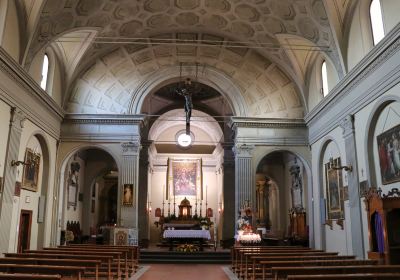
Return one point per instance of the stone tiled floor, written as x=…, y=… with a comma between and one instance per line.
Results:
x=184, y=272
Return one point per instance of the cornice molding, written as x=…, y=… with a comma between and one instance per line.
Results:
x=105, y=119
x=22, y=78
x=374, y=59
x=236, y=122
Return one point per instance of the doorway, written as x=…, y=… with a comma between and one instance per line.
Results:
x=24, y=235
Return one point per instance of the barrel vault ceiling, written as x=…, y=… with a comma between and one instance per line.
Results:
x=109, y=47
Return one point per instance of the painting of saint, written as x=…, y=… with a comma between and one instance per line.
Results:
x=127, y=199
x=184, y=178
x=334, y=187
x=389, y=155
x=31, y=171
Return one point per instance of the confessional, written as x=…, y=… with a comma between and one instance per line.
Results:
x=383, y=212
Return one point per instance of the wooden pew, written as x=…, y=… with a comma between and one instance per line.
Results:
x=262, y=263
x=134, y=251
x=358, y=276
x=244, y=261
x=283, y=272
x=73, y=271
x=237, y=249
x=115, y=256
x=22, y=276
x=88, y=264
x=124, y=254
x=267, y=265
x=244, y=252
x=106, y=259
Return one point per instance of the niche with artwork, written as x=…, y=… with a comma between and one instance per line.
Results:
x=384, y=225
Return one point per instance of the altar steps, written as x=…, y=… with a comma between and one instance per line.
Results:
x=185, y=258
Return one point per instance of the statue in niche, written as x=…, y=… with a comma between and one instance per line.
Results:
x=297, y=185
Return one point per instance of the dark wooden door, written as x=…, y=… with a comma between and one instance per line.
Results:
x=24, y=235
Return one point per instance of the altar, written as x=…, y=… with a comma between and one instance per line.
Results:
x=186, y=236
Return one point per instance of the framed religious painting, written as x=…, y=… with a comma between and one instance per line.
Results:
x=127, y=197
x=184, y=177
x=334, y=189
x=31, y=170
x=389, y=155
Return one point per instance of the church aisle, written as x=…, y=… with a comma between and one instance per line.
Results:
x=184, y=272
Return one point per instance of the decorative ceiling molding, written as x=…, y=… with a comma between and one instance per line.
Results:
x=267, y=123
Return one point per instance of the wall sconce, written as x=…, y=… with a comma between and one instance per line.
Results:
x=335, y=167
x=18, y=162
x=149, y=207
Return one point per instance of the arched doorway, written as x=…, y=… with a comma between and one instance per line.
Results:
x=87, y=176
x=281, y=196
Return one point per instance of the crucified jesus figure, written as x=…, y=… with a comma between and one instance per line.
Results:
x=188, y=102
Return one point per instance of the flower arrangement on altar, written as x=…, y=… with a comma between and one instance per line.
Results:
x=243, y=224
x=187, y=248
x=205, y=223
x=69, y=236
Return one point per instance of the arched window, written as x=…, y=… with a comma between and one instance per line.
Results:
x=376, y=21
x=45, y=72
x=324, y=74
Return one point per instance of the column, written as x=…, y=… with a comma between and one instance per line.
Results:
x=228, y=187
x=143, y=223
x=7, y=198
x=129, y=175
x=354, y=198
x=244, y=177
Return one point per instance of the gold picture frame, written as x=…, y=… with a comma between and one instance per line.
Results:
x=127, y=195
x=31, y=170
x=334, y=191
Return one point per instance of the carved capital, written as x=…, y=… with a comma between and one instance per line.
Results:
x=243, y=150
x=347, y=125
x=130, y=148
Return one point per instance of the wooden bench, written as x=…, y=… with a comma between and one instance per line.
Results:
x=130, y=254
x=358, y=276
x=134, y=251
x=244, y=261
x=283, y=272
x=22, y=276
x=267, y=265
x=120, y=253
x=88, y=264
x=73, y=271
x=240, y=254
x=105, y=259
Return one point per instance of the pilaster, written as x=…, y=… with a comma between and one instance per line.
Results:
x=129, y=175
x=244, y=176
x=228, y=214
x=10, y=174
x=347, y=124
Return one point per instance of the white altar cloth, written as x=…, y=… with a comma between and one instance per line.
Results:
x=204, y=234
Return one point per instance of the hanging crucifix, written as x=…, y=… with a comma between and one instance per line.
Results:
x=185, y=92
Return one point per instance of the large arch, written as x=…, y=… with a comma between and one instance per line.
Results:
x=306, y=162
x=376, y=111
x=60, y=182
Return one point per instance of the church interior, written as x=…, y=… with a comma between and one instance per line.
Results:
x=140, y=136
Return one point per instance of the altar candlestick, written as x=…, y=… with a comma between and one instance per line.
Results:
x=195, y=211
x=169, y=207
x=163, y=200
x=201, y=206
x=174, y=205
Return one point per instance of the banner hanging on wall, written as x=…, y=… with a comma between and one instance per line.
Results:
x=184, y=178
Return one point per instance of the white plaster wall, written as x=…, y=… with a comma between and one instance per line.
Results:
x=336, y=240
x=11, y=36
x=28, y=200
x=360, y=40
x=390, y=14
